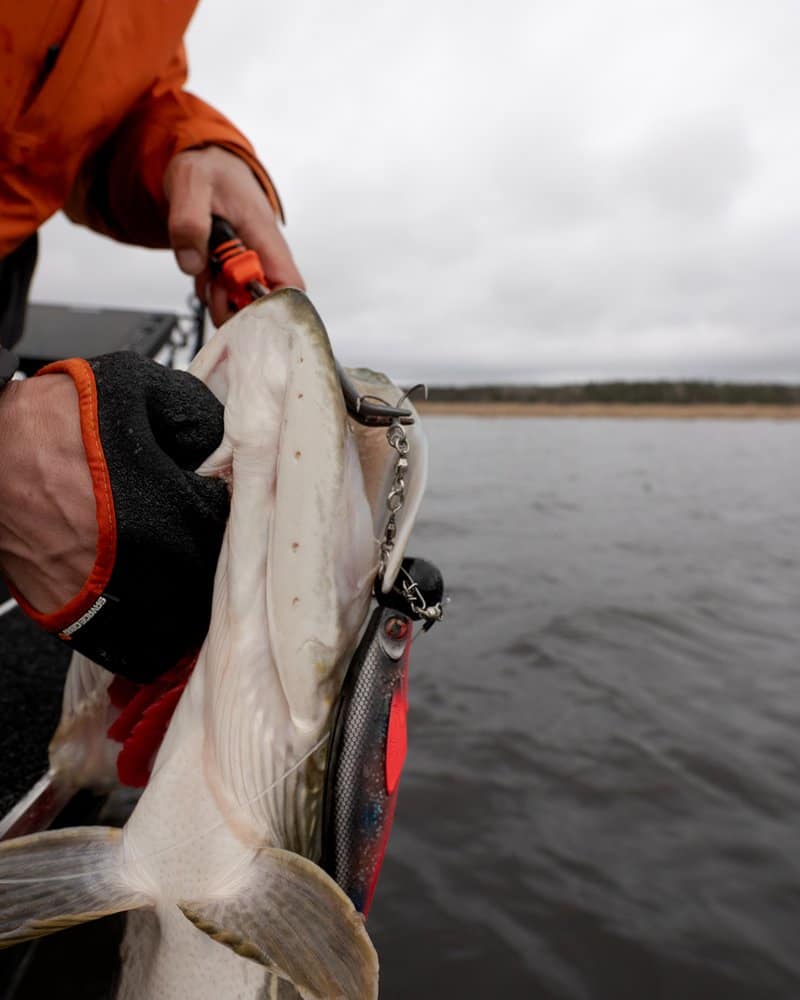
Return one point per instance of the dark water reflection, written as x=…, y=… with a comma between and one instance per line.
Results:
x=602, y=796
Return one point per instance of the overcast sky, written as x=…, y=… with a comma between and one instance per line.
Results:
x=528, y=190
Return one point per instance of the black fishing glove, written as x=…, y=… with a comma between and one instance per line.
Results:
x=145, y=428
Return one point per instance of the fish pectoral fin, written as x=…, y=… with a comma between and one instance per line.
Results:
x=50, y=881
x=294, y=919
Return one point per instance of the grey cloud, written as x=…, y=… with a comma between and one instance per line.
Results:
x=550, y=192
x=693, y=169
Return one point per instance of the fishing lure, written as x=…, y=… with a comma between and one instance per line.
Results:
x=368, y=739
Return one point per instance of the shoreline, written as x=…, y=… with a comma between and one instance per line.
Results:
x=614, y=411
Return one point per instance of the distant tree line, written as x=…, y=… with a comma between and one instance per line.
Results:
x=736, y=393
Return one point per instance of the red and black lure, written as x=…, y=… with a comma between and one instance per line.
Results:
x=368, y=741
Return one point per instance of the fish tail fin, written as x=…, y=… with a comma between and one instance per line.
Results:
x=294, y=920
x=50, y=881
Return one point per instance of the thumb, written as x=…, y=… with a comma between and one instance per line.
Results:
x=189, y=192
x=211, y=500
x=187, y=420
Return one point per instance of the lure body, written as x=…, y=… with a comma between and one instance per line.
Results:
x=366, y=755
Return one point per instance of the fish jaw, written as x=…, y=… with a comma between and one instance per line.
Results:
x=323, y=553
x=292, y=455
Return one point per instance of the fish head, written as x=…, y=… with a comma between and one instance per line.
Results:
x=303, y=545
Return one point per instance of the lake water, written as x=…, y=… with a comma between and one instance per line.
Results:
x=602, y=795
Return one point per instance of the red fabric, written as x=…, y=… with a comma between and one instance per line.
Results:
x=146, y=712
x=96, y=133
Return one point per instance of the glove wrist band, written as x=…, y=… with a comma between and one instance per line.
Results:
x=77, y=612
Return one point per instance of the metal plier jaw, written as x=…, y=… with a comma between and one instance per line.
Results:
x=240, y=272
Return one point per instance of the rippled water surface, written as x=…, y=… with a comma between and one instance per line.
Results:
x=602, y=796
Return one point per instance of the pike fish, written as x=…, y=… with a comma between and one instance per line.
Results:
x=217, y=863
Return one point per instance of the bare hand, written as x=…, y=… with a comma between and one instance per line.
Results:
x=202, y=182
x=48, y=524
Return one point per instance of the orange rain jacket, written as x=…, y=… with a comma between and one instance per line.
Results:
x=91, y=127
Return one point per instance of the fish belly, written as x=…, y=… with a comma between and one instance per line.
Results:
x=179, y=844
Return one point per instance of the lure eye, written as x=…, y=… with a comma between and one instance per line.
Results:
x=394, y=635
x=396, y=629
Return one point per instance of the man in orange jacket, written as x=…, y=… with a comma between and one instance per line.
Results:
x=94, y=120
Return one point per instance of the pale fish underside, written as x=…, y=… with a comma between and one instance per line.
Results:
x=217, y=859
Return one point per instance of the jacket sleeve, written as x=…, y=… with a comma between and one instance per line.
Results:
x=120, y=189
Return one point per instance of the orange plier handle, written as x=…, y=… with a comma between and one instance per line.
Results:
x=236, y=267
